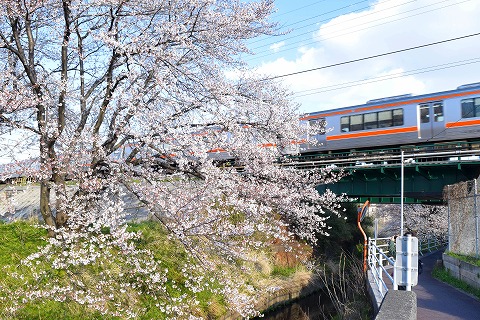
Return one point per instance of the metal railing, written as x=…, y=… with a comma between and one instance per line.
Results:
x=382, y=264
x=389, y=158
x=431, y=244
x=379, y=262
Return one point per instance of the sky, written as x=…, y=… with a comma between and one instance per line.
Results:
x=326, y=32
x=319, y=33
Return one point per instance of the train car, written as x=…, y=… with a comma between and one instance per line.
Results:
x=400, y=120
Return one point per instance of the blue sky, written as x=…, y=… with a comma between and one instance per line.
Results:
x=325, y=32
x=301, y=19
x=333, y=31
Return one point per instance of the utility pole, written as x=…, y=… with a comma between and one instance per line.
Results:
x=402, y=177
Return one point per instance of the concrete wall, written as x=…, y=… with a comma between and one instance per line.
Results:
x=23, y=202
x=286, y=293
x=463, y=198
x=463, y=270
x=398, y=305
x=375, y=295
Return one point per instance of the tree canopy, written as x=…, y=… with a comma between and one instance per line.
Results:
x=152, y=98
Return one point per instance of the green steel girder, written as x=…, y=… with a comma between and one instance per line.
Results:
x=425, y=172
x=392, y=174
x=423, y=183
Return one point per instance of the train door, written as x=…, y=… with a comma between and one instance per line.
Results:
x=319, y=128
x=431, y=120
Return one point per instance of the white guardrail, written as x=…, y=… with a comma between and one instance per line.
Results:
x=381, y=263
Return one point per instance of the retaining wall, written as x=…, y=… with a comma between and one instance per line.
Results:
x=288, y=291
x=462, y=270
x=375, y=295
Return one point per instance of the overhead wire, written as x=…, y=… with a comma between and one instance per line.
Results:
x=409, y=16
x=380, y=78
x=371, y=57
x=408, y=73
x=332, y=11
x=325, y=13
x=293, y=45
x=350, y=84
x=300, y=8
x=330, y=25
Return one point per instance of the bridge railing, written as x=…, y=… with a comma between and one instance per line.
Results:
x=432, y=243
x=382, y=264
x=434, y=154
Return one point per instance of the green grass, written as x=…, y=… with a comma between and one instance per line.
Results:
x=283, y=271
x=20, y=239
x=468, y=259
x=444, y=275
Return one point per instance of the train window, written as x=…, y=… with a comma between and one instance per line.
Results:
x=468, y=109
x=424, y=114
x=438, y=112
x=370, y=120
x=356, y=122
x=323, y=126
x=373, y=120
x=385, y=119
x=398, y=117
x=345, y=124
x=471, y=108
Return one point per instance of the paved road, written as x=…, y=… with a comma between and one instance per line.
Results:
x=439, y=301
x=24, y=203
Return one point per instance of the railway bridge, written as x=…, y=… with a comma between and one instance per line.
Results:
x=375, y=174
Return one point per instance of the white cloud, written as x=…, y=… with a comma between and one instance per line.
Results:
x=277, y=46
x=387, y=26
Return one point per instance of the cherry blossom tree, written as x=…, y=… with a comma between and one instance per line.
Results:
x=132, y=97
x=425, y=221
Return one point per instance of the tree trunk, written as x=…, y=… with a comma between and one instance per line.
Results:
x=61, y=199
x=58, y=177
x=45, y=207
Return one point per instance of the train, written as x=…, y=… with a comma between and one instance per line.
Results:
x=397, y=121
x=405, y=120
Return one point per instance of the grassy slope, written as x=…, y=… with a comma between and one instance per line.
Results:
x=19, y=239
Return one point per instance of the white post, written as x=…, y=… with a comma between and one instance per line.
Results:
x=401, y=195
x=409, y=264
x=395, y=264
x=380, y=270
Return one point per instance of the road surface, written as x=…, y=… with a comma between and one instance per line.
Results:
x=439, y=301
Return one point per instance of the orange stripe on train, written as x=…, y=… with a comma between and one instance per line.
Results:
x=463, y=123
x=362, y=134
x=395, y=104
